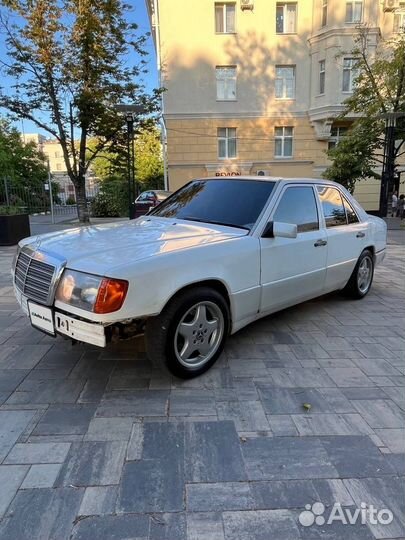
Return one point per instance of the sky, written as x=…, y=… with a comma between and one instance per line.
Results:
x=140, y=16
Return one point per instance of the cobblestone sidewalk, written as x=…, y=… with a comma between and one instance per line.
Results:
x=103, y=445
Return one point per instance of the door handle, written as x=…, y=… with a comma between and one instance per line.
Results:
x=320, y=243
x=360, y=235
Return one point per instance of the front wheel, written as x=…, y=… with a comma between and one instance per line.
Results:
x=361, y=279
x=189, y=334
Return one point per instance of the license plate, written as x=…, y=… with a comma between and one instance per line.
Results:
x=41, y=317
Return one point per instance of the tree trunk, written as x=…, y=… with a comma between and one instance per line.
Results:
x=82, y=210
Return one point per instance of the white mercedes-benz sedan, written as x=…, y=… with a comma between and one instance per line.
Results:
x=210, y=259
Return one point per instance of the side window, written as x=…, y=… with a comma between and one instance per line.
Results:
x=332, y=206
x=350, y=213
x=298, y=207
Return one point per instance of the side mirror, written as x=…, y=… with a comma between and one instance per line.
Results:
x=277, y=228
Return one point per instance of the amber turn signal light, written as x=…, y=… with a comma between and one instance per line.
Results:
x=111, y=295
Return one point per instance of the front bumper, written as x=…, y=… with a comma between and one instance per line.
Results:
x=72, y=327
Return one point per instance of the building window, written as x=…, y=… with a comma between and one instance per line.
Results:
x=322, y=77
x=285, y=82
x=399, y=18
x=336, y=135
x=58, y=167
x=226, y=82
x=354, y=12
x=324, y=13
x=286, y=18
x=225, y=18
x=350, y=74
x=226, y=143
x=283, y=141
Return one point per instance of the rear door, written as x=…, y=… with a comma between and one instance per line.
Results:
x=347, y=236
x=294, y=269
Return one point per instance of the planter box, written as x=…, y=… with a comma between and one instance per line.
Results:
x=13, y=229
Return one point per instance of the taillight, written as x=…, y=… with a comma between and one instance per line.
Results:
x=111, y=295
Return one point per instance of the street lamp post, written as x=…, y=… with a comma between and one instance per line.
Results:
x=388, y=170
x=131, y=112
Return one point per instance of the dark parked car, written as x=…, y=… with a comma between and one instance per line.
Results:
x=149, y=199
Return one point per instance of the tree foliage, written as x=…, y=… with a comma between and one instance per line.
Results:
x=149, y=160
x=112, y=162
x=355, y=156
x=69, y=60
x=21, y=164
x=379, y=90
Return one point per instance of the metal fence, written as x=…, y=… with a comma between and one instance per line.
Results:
x=36, y=199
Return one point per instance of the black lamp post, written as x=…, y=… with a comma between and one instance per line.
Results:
x=388, y=170
x=131, y=112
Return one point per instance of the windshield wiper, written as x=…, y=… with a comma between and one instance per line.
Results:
x=199, y=220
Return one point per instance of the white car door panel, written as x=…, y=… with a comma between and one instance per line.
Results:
x=294, y=269
x=347, y=237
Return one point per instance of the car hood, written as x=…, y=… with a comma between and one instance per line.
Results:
x=99, y=249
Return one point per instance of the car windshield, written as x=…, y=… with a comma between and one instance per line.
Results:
x=236, y=203
x=162, y=195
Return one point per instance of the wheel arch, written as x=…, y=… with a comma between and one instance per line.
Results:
x=214, y=283
x=370, y=248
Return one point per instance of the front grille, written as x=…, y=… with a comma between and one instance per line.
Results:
x=33, y=277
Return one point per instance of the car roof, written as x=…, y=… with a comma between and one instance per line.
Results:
x=272, y=179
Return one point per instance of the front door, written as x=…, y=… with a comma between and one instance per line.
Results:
x=294, y=269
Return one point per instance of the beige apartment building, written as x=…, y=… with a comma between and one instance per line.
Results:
x=54, y=153
x=255, y=86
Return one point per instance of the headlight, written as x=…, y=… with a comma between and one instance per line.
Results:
x=92, y=293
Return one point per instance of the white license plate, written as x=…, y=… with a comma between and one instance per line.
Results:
x=41, y=317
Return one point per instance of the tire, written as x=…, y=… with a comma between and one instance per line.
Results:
x=189, y=334
x=361, y=279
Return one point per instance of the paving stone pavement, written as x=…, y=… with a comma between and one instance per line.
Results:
x=102, y=444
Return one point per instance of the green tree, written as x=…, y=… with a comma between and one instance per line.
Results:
x=356, y=156
x=23, y=165
x=112, y=162
x=379, y=91
x=149, y=160
x=70, y=59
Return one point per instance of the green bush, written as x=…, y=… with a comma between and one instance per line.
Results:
x=112, y=199
x=70, y=200
x=103, y=205
x=11, y=210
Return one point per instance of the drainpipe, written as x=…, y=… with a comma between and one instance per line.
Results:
x=155, y=24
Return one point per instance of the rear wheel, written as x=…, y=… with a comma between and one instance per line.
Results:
x=189, y=334
x=361, y=279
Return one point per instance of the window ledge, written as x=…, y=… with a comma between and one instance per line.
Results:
x=286, y=33
x=226, y=100
x=320, y=95
x=283, y=157
x=285, y=99
x=227, y=158
x=226, y=33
